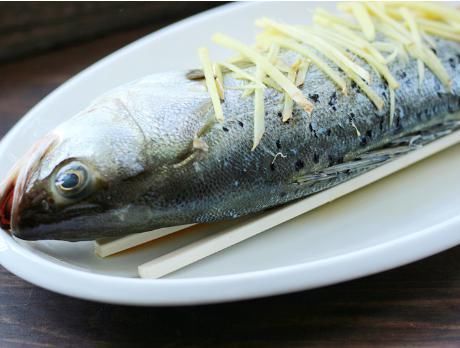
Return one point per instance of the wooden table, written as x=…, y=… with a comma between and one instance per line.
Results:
x=416, y=305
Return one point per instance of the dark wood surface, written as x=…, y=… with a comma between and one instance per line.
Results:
x=27, y=27
x=414, y=306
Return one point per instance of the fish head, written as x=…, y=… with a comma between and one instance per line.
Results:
x=87, y=178
x=68, y=182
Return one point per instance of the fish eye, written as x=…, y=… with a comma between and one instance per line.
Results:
x=72, y=179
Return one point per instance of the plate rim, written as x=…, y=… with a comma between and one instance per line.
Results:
x=285, y=279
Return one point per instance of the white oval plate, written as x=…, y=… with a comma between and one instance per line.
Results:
x=403, y=218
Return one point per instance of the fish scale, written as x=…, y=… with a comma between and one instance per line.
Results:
x=310, y=143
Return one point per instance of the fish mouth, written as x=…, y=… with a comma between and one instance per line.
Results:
x=13, y=190
x=6, y=205
x=8, y=195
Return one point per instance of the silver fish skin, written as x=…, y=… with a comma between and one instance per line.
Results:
x=148, y=155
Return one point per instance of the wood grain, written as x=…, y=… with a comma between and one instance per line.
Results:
x=413, y=306
x=35, y=26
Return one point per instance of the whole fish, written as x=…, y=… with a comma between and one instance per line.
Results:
x=149, y=155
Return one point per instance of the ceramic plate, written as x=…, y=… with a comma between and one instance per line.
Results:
x=403, y=218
